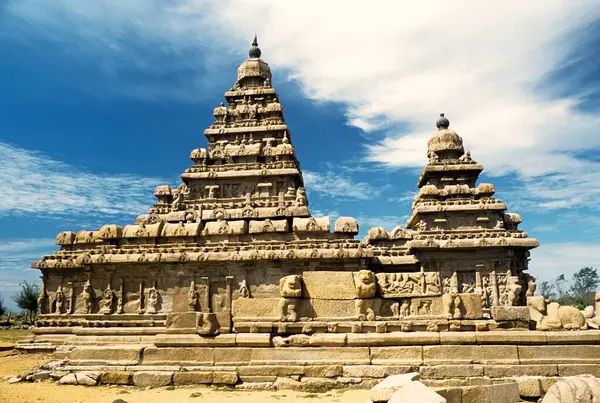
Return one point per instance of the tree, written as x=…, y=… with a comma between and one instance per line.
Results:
x=2, y=307
x=547, y=290
x=26, y=299
x=584, y=282
x=562, y=292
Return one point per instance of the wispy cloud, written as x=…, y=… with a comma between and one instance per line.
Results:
x=16, y=256
x=551, y=259
x=339, y=186
x=35, y=184
x=499, y=86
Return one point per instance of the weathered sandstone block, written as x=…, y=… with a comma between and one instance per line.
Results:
x=384, y=390
x=329, y=285
x=153, y=379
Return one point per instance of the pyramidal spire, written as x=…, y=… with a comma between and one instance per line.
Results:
x=254, y=51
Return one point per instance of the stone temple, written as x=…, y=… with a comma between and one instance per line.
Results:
x=229, y=279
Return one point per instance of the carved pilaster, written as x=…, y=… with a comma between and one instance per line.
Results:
x=205, y=295
x=228, y=282
x=495, y=291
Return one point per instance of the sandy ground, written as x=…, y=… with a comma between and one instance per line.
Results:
x=51, y=392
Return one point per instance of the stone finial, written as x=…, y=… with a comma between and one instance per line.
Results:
x=254, y=51
x=442, y=122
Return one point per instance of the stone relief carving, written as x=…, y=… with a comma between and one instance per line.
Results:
x=290, y=286
x=60, y=301
x=107, y=300
x=87, y=297
x=244, y=290
x=365, y=309
x=366, y=284
x=513, y=290
x=152, y=300
x=43, y=297
x=192, y=297
x=397, y=285
x=287, y=310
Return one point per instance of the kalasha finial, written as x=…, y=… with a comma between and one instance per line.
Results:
x=442, y=122
x=254, y=51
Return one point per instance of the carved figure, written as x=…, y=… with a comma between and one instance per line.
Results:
x=513, y=290
x=59, y=301
x=452, y=304
x=43, y=298
x=432, y=283
x=244, y=291
x=192, y=297
x=152, y=300
x=87, y=297
x=287, y=310
x=107, y=300
x=405, y=308
x=365, y=309
x=290, y=286
x=531, y=286
x=425, y=308
x=300, y=197
x=421, y=226
x=366, y=286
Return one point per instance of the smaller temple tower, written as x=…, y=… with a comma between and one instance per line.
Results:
x=459, y=229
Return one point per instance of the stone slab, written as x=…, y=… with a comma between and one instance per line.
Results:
x=178, y=356
x=310, y=355
x=508, y=371
x=271, y=370
x=498, y=393
x=511, y=337
x=460, y=354
x=393, y=338
x=579, y=369
x=225, y=378
x=253, y=339
x=117, y=378
x=152, y=378
x=255, y=308
x=451, y=371
x=409, y=355
x=328, y=285
x=565, y=354
x=100, y=355
x=502, y=313
x=194, y=340
x=232, y=356
x=574, y=337
x=458, y=338
x=364, y=371
x=183, y=320
x=192, y=378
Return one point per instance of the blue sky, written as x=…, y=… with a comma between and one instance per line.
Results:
x=102, y=101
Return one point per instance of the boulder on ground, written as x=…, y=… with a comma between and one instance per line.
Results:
x=383, y=391
x=415, y=392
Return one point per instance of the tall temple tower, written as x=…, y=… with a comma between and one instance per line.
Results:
x=249, y=169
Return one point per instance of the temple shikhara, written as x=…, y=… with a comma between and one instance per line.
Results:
x=229, y=279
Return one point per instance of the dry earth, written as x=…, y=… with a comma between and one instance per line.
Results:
x=51, y=392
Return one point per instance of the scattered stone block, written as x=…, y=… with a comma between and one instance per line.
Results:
x=225, y=378
x=152, y=378
x=529, y=387
x=382, y=392
x=416, y=392
x=117, y=378
x=500, y=313
x=192, y=378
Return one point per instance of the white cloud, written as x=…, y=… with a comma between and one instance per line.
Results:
x=394, y=65
x=35, y=184
x=15, y=259
x=552, y=259
x=338, y=186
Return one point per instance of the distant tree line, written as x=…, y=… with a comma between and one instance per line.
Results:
x=578, y=292
x=26, y=299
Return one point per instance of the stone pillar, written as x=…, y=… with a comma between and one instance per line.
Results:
x=228, y=282
x=495, y=291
